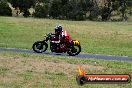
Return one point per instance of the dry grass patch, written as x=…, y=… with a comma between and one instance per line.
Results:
x=20, y=64
x=28, y=72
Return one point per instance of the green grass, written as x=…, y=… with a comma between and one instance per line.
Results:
x=22, y=70
x=113, y=38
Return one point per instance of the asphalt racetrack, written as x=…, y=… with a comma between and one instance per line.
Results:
x=84, y=56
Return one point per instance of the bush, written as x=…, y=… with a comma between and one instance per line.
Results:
x=26, y=13
x=77, y=15
x=55, y=9
x=94, y=13
x=40, y=11
x=5, y=10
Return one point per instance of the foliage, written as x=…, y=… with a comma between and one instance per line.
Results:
x=70, y=9
x=119, y=6
x=129, y=6
x=41, y=11
x=5, y=10
x=74, y=9
x=55, y=10
x=23, y=5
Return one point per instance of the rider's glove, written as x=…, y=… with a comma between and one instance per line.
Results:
x=49, y=35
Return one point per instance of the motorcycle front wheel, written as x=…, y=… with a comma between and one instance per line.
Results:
x=40, y=46
x=74, y=50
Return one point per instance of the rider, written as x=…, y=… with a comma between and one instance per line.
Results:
x=62, y=35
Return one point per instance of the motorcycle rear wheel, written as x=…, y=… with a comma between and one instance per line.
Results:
x=74, y=51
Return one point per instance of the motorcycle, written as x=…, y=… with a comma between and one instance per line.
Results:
x=70, y=47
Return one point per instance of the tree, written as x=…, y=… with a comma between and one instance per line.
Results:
x=94, y=9
x=120, y=6
x=55, y=10
x=106, y=12
x=73, y=10
x=129, y=6
x=64, y=8
x=5, y=10
x=43, y=1
x=41, y=11
x=23, y=5
x=123, y=9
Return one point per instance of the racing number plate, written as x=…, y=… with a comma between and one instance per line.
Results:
x=76, y=42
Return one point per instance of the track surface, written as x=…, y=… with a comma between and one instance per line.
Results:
x=97, y=56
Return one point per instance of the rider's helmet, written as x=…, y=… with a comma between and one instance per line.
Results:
x=58, y=29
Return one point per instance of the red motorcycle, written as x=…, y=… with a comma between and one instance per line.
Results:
x=71, y=47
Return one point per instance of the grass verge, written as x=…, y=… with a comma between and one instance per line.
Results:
x=43, y=71
x=113, y=38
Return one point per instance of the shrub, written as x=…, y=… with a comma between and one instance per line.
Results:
x=5, y=10
x=77, y=15
x=40, y=11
